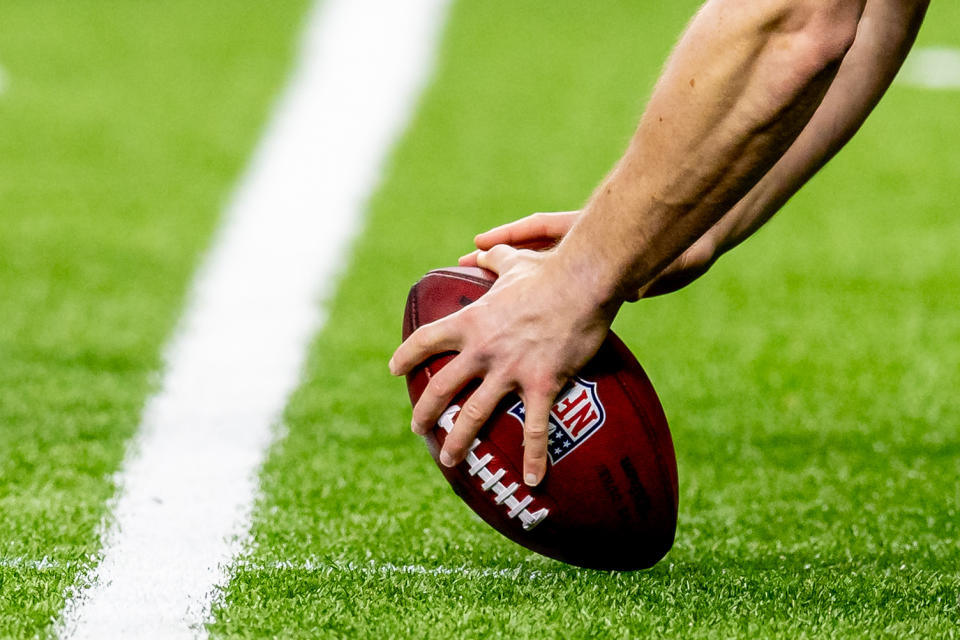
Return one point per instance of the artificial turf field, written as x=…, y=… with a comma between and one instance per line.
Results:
x=809, y=378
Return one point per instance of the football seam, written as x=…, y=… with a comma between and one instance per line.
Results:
x=415, y=314
x=461, y=276
x=522, y=506
x=651, y=434
x=416, y=297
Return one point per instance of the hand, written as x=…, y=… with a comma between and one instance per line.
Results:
x=538, y=231
x=541, y=231
x=536, y=327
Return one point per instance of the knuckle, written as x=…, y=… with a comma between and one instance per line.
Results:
x=421, y=338
x=456, y=443
x=536, y=431
x=429, y=335
x=441, y=387
x=473, y=413
x=468, y=318
x=482, y=351
x=544, y=386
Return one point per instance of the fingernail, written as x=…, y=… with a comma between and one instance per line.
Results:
x=530, y=479
x=393, y=369
x=415, y=427
x=446, y=459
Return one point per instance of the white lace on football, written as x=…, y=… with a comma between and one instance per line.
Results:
x=504, y=494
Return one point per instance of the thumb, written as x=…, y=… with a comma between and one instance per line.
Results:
x=498, y=259
x=468, y=260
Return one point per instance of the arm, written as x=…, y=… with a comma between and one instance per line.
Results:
x=885, y=34
x=741, y=85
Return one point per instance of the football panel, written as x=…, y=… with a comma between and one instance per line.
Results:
x=590, y=522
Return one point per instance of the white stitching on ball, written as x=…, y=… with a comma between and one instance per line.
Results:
x=477, y=464
x=491, y=479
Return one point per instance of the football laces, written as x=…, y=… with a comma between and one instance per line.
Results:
x=504, y=494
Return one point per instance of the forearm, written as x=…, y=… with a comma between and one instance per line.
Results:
x=885, y=34
x=741, y=85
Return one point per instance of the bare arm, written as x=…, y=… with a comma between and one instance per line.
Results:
x=885, y=34
x=742, y=83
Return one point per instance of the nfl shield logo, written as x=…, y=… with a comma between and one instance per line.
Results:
x=576, y=415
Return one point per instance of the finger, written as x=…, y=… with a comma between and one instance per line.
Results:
x=498, y=259
x=521, y=230
x=538, y=229
x=469, y=260
x=430, y=339
x=536, y=426
x=440, y=390
x=473, y=415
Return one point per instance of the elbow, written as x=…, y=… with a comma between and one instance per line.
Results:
x=809, y=39
x=823, y=30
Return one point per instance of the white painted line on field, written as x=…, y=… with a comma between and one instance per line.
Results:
x=931, y=68
x=187, y=485
x=388, y=568
x=329, y=568
x=43, y=564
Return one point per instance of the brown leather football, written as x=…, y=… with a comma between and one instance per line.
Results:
x=609, y=499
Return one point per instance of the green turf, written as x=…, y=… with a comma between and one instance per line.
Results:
x=809, y=379
x=124, y=126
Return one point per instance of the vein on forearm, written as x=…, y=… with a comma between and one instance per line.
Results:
x=730, y=102
x=885, y=34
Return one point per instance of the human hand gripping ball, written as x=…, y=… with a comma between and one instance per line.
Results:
x=536, y=327
x=537, y=231
x=541, y=231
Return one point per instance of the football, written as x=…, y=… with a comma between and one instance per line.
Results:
x=609, y=498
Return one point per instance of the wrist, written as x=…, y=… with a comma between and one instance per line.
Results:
x=593, y=280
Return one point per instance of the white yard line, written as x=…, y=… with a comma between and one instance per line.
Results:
x=187, y=485
x=326, y=567
x=388, y=568
x=931, y=68
x=43, y=564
